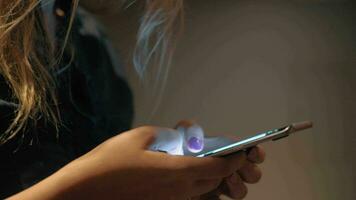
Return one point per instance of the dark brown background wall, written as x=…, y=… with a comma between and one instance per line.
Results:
x=247, y=66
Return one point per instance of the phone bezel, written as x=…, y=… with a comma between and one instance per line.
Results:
x=281, y=133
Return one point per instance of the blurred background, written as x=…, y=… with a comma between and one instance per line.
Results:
x=243, y=67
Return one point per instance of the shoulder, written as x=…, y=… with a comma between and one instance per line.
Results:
x=88, y=28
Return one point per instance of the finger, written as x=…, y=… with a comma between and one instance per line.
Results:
x=185, y=123
x=250, y=173
x=164, y=139
x=209, y=196
x=193, y=135
x=209, y=167
x=169, y=141
x=214, y=194
x=205, y=186
x=142, y=137
x=256, y=155
x=235, y=188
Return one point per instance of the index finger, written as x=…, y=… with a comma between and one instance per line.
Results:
x=193, y=135
x=256, y=155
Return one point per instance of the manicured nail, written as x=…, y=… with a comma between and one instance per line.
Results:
x=195, y=144
x=194, y=138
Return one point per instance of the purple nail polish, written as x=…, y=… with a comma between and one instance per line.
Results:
x=195, y=144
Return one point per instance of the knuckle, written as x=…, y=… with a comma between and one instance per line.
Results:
x=147, y=128
x=239, y=160
x=226, y=169
x=233, y=165
x=251, y=174
x=242, y=158
x=257, y=155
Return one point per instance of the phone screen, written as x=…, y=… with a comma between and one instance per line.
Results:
x=242, y=142
x=273, y=135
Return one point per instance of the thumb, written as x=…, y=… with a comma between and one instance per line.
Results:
x=144, y=136
x=193, y=135
x=160, y=139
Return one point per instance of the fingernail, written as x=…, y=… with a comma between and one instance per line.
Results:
x=195, y=138
x=195, y=144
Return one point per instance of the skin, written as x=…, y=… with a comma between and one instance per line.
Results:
x=136, y=173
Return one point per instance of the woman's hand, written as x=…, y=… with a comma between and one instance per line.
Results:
x=234, y=185
x=123, y=168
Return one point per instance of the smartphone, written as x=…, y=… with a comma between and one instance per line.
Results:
x=271, y=135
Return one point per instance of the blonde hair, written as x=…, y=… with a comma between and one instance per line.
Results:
x=161, y=23
x=27, y=70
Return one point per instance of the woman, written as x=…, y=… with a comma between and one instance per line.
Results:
x=63, y=97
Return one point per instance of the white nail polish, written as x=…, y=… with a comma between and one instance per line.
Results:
x=194, y=138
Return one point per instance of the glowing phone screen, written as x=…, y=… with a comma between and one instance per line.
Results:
x=242, y=142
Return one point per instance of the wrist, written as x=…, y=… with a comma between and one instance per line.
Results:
x=76, y=181
x=67, y=183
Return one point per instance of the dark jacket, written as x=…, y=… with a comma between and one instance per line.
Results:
x=95, y=103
